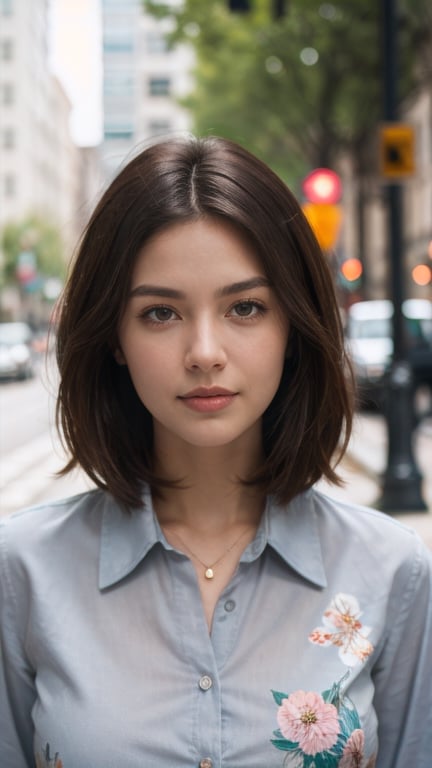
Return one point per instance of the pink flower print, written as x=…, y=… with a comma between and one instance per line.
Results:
x=44, y=759
x=343, y=629
x=305, y=718
x=352, y=755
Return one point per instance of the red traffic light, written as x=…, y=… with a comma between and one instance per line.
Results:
x=352, y=269
x=322, y=186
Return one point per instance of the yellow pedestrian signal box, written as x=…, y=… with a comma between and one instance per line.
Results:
x=397, y=150
x=325, y=220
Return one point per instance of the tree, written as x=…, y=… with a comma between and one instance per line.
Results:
x=301, y=89
x=32, y=235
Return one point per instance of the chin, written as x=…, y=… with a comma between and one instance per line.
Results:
x=211, y=438
x=210, y=442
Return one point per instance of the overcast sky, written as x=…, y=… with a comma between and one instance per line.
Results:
x=76, y=59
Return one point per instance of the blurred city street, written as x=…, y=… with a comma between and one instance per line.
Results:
x=30, y=455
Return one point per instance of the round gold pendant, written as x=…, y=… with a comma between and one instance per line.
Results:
x=209, y=573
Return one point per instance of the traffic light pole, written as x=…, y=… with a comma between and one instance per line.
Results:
x=401, y=491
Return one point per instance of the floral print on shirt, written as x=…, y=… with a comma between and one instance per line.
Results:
x=44, y=759
x=342, y=628
x=324, y=730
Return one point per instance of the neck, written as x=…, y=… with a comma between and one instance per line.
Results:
x=212, y=496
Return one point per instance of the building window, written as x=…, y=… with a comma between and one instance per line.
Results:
x=159, y=127
x=118, y=84
x=159, y=86
x=8, y=93
x=9, y=185
x=118, y=132
x=8, y=139
x=6, y=7
x=118, y=44
x=122, y=5
x=156, y=43
x=6, y=49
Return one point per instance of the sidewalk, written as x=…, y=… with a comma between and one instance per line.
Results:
x=365, y=463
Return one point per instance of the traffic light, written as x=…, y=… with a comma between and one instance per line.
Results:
x=322, y=186
x=397, y=150
x=351, y=271
x=323, y=189
x=422, y=274
x=325, y=220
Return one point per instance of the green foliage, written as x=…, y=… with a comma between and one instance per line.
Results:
x=253, y=86
x=38, y=236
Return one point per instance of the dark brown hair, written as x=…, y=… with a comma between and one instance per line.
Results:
x=105, y=427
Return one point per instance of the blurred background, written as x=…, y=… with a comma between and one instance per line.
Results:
x=335, y=96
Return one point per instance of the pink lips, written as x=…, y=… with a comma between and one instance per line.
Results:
x=208, y=399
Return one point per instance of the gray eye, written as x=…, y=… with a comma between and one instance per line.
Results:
x=245, y=308
x=162, y=313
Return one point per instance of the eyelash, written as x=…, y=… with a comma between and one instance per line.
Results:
x=260, y=310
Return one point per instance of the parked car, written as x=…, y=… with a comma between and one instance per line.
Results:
x=16, y=353
x=370, y=344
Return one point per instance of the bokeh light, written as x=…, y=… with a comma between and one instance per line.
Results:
x=352, y=269
x=422, y=274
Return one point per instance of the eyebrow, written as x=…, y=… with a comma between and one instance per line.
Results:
x=173, y=293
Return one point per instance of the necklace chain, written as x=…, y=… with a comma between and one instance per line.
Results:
x=209, y=569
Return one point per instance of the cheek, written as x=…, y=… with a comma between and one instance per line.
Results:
x=148, y=363
x=269, y=351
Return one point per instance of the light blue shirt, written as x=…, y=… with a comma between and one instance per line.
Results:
x=320, y=645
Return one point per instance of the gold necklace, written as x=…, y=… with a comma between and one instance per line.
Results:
x=209, y=569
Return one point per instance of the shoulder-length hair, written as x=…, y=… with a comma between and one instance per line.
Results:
x=103, y=424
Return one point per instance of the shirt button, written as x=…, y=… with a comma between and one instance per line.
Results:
x=229, y=606
x=205, y=682
x=206, y=762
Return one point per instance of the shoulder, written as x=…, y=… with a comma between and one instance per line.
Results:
x=370, y=540
x=362, y=524
x=40, y=530
x=348, y=548
x=349, y=543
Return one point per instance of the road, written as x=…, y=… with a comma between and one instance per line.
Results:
x=30, y=451
x=24, y=411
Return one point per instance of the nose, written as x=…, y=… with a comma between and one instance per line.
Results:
x=205, y=349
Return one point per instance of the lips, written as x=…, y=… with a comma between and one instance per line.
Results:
x=208, y=399
x=207, y=392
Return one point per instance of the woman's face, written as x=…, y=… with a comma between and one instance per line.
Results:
x=202, y=335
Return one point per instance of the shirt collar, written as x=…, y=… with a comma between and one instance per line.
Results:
x=126, y=538
x=292, y=531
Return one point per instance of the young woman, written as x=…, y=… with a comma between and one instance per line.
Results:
x=206, y=607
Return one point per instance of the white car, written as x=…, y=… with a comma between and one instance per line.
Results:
x=370, y=345
x=16, y=355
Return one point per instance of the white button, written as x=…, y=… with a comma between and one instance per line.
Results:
x=229, y=606
x=205, y=682
x=206, y=762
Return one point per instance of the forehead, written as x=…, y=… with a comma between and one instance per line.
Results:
x=202, y=247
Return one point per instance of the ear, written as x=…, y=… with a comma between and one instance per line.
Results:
x=119, y=356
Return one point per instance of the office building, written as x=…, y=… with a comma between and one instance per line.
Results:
x=142, y=81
